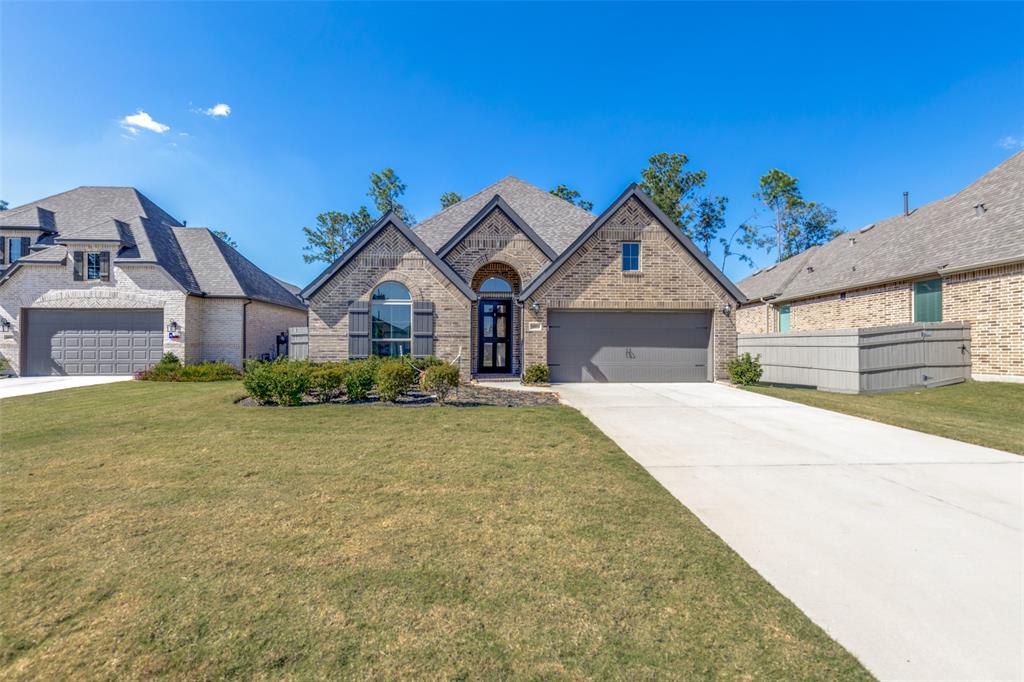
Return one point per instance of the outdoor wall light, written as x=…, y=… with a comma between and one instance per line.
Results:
x=727, y=309
x=5, y=324
x=535, y=307
x=173, y=328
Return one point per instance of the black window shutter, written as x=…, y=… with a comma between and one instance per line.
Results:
x=422, y=329
x=105, y=266
x=26, y=244
x=358, y=329
x=79, y=261
x=3, y=243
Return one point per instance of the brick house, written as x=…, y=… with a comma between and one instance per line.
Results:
x=959, y=259
x=514, y=276
x=100, y=280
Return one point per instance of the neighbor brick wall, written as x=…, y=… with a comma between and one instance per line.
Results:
x=263, y=322
x=389, y=257
x=992, y=301
x=670, y=279
x=220, y=320
x=48, y=285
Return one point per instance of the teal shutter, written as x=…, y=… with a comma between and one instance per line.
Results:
x=928, y=301
x=784, y=318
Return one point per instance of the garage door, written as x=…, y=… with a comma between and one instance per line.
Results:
x=92, y=341
x=628, y=346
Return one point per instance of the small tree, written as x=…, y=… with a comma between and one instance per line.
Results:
x=3, y=205
x=333, y=233
x=796, y=224
x=572, y=196
x=450, y=199
x=224, y=237
x=385, y=190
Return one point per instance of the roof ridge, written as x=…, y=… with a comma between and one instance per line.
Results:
x=446, y=209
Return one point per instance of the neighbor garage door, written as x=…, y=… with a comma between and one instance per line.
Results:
x=92, y=341
x=628, y=346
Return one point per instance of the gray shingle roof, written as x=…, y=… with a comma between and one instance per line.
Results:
x=555, y=220
x=199, y=262
x=944, y=236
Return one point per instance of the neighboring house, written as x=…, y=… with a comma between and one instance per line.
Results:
x=100, y=280
x=959, y=259
x=513, y=276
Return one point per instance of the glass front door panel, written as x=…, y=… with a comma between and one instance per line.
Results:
x=495, y=336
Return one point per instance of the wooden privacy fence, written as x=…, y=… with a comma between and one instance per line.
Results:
x=865, y=360
x=298, y=343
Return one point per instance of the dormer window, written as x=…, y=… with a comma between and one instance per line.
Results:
x=17, y=247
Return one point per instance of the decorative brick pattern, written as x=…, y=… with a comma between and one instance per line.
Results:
x=497, y=238
x=669, y=279
x=389, y=257
x=991, y=300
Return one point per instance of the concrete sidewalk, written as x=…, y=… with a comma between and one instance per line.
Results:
x=905, y=547
x=28, y=385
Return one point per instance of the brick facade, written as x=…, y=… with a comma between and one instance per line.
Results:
x=389, y=257
x=991, y=300
x=211, y=329
x=669, y=279
x=497, y=248
x=263, y=322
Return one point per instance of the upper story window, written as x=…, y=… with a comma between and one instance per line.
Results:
x=928, y=301
x=16, y=247
x=495, y=285
x=93, y=266
x=391, y=320
x=630, y=256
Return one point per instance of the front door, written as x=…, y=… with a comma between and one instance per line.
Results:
x=494, y=351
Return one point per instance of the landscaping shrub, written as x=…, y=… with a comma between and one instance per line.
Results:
x=282, y=382
x=745, y=370
x=327, y=380
x=169, y=359
x=359, y=378
x=170, y=369
x=537, y=374
x=4, y=364
x=394, y=378
x=440, y=380
x=421, y=364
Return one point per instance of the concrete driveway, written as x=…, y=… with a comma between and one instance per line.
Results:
x=29, y=385
x=906, y=548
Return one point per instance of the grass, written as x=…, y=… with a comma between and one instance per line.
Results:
x=159, y=530
x=981, y=412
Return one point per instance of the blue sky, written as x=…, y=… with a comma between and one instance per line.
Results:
x=860, y=101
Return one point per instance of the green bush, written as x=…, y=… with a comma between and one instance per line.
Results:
x=282, y=382
x=440, y=380
x=327, y=380
x=4, y=364
x=394, y=378
x=745, y=370
x=167, y=370
x=168, y=360
x=537, y=374
x=359, y=378
x=421, y=364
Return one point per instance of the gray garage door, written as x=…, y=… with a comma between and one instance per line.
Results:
x=92, y=341
x=628, y=346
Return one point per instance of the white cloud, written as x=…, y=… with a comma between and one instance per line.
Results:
x=1011, y=142
x=218, y=110
x=141, y=119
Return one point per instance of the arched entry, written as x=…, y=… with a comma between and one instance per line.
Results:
x=496, y=323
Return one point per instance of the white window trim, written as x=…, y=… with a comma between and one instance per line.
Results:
x=393, y=302
x=639, y=257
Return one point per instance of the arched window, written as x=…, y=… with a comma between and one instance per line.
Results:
x=495, y=285
x=391, y=323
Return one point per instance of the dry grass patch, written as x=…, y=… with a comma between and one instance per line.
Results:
x=160, y=530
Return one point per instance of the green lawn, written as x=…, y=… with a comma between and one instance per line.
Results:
x=981, y=412
x=159, y=530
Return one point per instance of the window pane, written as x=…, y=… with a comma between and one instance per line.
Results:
x=496, y=285
x=391, y=321
x=390, y=349
x=391, y=291
x=488, y=355
x=501, y=328
x=93, y=266
x=488, y=326
x=784, y=318
x=14, y=249
x=630, y=256
x=499, y=359
x=928, y=301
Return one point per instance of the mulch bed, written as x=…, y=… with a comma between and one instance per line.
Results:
x=469, y=395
